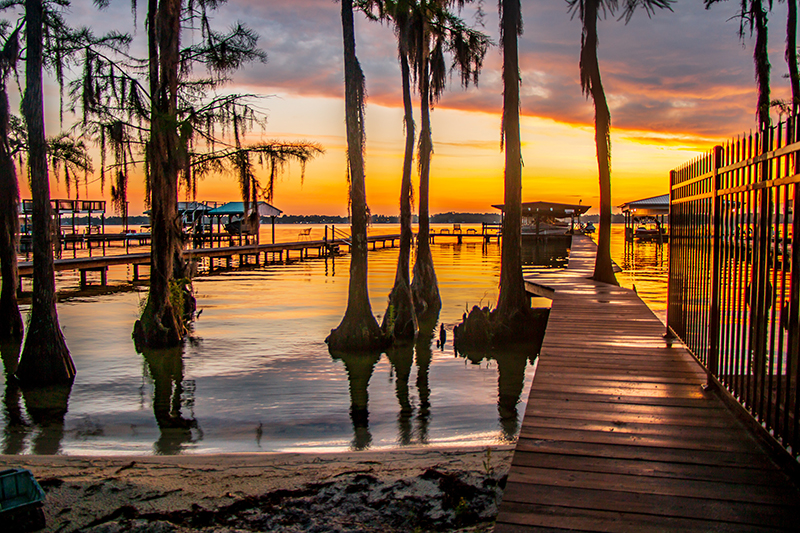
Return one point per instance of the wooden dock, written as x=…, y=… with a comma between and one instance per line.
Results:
x=619, y=435
x=245, y=254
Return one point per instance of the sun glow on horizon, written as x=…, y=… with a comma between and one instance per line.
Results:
x=466, y=168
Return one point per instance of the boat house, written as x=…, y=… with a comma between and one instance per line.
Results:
x=645, y=219
x=540, y=219
x=241, y=223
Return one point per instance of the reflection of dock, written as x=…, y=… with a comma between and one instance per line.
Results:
x=248, y=254
x=618, y=434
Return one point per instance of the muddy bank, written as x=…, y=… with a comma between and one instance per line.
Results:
x=392, y=491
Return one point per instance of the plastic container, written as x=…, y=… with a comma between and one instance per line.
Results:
x=21, y=501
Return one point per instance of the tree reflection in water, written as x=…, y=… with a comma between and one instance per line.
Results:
x=511, y=362
x=424, y=355
x=359, y=366
x=402, y=358
x=47, y=407
x=170, y=394
x=16, y=428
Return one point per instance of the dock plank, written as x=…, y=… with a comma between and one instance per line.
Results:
x=618, y=434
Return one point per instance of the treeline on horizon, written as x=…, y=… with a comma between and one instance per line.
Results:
x=440, y=218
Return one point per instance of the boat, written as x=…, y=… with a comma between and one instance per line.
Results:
x=648, y=229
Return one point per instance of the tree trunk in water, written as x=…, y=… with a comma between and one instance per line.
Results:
x=400, y=319
x=512, y=300
x=159, y=325
x=358, y=331
x=10, y=318
x=45, y=358
x=603, y=270
x=425, y=288
x=761, y=57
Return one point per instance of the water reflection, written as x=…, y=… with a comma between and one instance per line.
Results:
x=511, y=363
x=16, y=429
x=170, y=394
x=424, y=355
x=402, y=359
x=360, y=367
x=47, y=407
x=552, y=252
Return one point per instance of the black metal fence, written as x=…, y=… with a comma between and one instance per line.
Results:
x=734, y=271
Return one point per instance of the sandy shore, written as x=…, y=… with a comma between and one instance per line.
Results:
x=421, y=489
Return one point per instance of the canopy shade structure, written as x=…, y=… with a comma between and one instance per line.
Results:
x=237, y=208
x=193, y=207
x=550, y=209
x=540, y=219
x=657, y=205
x=639, y=213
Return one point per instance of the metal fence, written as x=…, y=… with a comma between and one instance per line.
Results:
x=734, y=271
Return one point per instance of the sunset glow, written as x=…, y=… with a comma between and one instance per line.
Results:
x=677, y=84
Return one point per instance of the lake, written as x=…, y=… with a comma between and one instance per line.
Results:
x=255, y=374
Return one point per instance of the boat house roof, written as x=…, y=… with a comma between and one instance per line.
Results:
x=237, y=208
x=193, y=207
x=656, y=205
x=550, y=209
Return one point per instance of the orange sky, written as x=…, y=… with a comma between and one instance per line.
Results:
x=676, y=83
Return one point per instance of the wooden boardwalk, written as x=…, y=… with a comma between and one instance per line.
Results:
x=618, y=434
x=281, y=248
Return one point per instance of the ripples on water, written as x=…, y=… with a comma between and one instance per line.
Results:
x=256, y=374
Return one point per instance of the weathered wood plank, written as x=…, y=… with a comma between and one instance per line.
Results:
x=618, y=434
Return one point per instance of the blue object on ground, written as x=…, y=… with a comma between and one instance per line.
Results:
x=21, y=500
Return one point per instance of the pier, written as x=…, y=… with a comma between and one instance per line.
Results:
x=246, y=254
x=621, y=433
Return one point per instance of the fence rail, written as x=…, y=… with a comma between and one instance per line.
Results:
x=734, y=272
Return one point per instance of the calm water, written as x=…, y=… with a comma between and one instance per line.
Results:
x=645, y=267
x=256, y=375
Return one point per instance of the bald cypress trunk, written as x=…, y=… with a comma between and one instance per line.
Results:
x=761, y=58
x=425, y=287
x=10, y=318
x=512, y=299
x=791, y=52
x=400, y=319
x=159, y=325
x=358, y=331
x=45, y=359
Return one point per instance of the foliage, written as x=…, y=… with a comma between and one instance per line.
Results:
x=113, y=99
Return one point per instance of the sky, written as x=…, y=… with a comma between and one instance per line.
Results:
x=677, y=83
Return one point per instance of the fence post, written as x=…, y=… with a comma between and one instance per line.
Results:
x=669, y=335
x=714, y=310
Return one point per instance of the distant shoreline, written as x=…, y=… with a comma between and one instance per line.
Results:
x=439, y=218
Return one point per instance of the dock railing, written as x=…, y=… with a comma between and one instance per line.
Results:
x=734, y=272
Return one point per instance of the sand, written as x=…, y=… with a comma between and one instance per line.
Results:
x=416, y=489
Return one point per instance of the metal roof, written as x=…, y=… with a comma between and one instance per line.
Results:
x=237, y=208
x=654, y=205
x=198, y=207
x=550, y=209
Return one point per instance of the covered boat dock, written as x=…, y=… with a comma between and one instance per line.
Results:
x=542, y=219
x=654, y=209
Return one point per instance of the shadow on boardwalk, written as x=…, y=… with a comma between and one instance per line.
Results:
x=619, y=435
